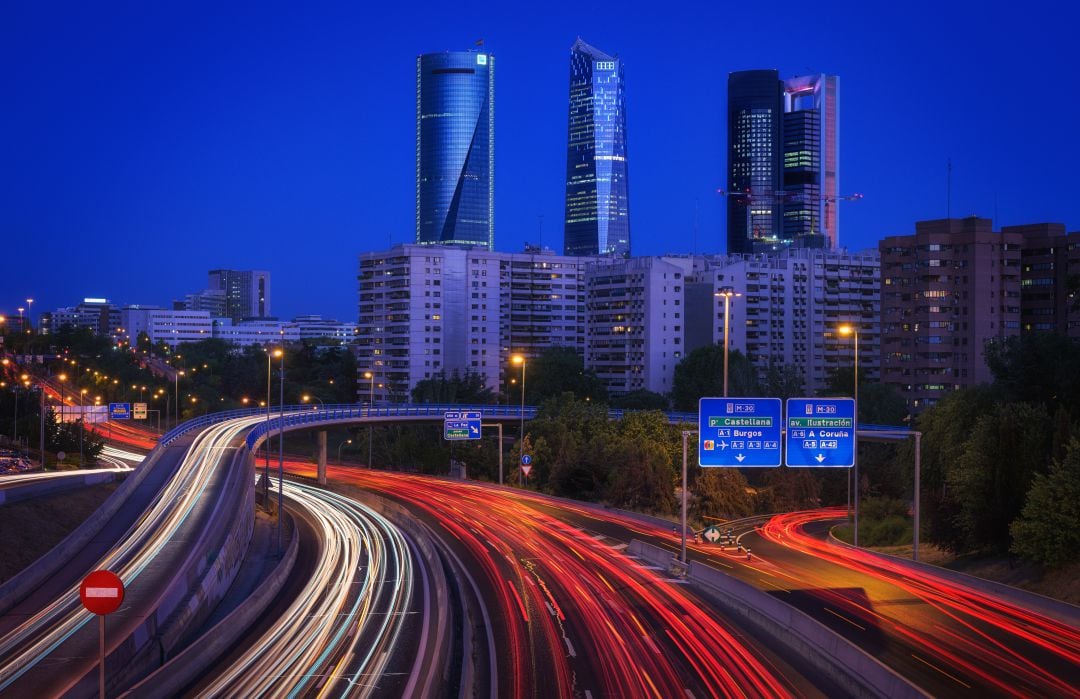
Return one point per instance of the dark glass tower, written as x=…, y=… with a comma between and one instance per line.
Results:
x=455, y=148
x=783, y=161
x=754, y=119
x=597, y=217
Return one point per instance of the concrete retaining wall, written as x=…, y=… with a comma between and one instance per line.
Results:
x=56, y=484
x=1055, y=609
x=848, y=666
x=190, y=664
x=45, y=567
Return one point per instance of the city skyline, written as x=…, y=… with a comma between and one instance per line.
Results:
x=269, y=146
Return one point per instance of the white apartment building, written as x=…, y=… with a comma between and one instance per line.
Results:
x=270, y=331
x=789, y=306
x=635, y=321
x=430, y=309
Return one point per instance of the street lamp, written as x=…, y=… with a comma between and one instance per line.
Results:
x=266, y=471
x=520, y=359
x=176, y=390
x=281, y=446
x=370, y=375
x=62, y=378
x=849, y=329
x=29, y=312
x=726, y=292
x=347, y=441
x=307, y=398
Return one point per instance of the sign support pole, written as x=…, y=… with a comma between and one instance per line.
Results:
x=101, y=638
x=915, y=537
x=498, y=426
x=685, y=435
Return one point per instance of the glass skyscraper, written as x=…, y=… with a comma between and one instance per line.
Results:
x=783, y=162
x=597, y=220
x=455, y=148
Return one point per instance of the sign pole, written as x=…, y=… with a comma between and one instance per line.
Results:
x=685, y=434
x=101, y=638
x=915, y=537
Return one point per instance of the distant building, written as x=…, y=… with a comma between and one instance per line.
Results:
x=635, y=321
x=214, y=301
x=247, y=292
x=95, y=314
x=163, y=325
x=945, y=292
x=455, y=149
x=783, y=162
x=1049, y=278
x=597, y=220
x=790, y=305
x=425, y=310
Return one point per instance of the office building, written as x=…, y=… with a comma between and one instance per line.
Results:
x=163, y=325
x=213, y=301
x=783, y=162
x=455, y=149
x=247, y=292
x=946, y=291
x=1049, y=278
x=597, y=220
x=426, y=310
x=94, y=314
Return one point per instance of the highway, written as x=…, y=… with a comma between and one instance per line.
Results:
x=344, y=628
x=566, y=612
x=48, y=643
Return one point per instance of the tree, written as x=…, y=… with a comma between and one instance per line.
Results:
x=1037, y=368
x=784, y=381
x=641, y=477
x=1004, y=451
x=574, y=433
x=558, y=370
x=469, y=389
x=721, y=493
x=639, y=400
x=1048, y=530
x=701, y=374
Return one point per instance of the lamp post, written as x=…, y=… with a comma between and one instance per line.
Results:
x=726, y=292
x=307, y=398
x=347, y=441
x=281, y=448
x=176, y=390
x=29, y=312
x=520, y=359
x=266, y=470
x=82, y=423
x=63, y=379
x=850, y=329
x=370, y=375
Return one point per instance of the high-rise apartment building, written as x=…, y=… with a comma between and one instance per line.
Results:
x=1049, y=278
x=597, y=220
x=635, y=321
x=945, y=292
x=430, y=309
x=455, y=148
x=247, y=292
x=783, y=162
x=789, y=306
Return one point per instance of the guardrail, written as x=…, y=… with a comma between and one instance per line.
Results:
x=296, y=415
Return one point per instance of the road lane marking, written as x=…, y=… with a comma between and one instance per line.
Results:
x=841, y=616
x=951, y=677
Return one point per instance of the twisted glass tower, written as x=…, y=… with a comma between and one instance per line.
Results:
x=597, y=218
x=455, y=148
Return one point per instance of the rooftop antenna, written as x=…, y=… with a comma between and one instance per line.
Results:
x=695, y=225
x=540, y=230
x=948, y=189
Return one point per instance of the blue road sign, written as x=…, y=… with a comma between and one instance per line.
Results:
x=526, y=459
x=119, y=411
x=820, y=432
x=739, y=432
x=461, y=424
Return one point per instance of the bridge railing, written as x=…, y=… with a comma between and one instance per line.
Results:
x=296, y=415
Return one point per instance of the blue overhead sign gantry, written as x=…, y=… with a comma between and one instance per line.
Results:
x=820, y=432
x=461, y=424
x=739, y=432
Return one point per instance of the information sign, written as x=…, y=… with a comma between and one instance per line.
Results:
x=820, y=432
x=461, y=424
x=739, y=432
x=119, y=411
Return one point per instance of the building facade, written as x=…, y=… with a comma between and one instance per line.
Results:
x=247, y=292
x=783, y=162
x=635, y=321
x=946, y=291
x=427, y=310
x=163, y=325
x=597, y=213
x=789, y=305
x=455, y=149
x=1049, y=278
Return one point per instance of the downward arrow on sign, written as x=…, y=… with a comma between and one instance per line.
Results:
x=739, y=458
x=819, y=458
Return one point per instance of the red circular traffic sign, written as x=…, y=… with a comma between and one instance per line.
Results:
x=102, y=592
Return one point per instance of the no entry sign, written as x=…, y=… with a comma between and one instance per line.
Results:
x=102, y=592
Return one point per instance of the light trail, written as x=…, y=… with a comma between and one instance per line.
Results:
x=340, y=631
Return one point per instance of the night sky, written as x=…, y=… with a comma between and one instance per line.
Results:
x=144, y=143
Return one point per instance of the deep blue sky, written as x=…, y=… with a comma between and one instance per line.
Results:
x=143, y=143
